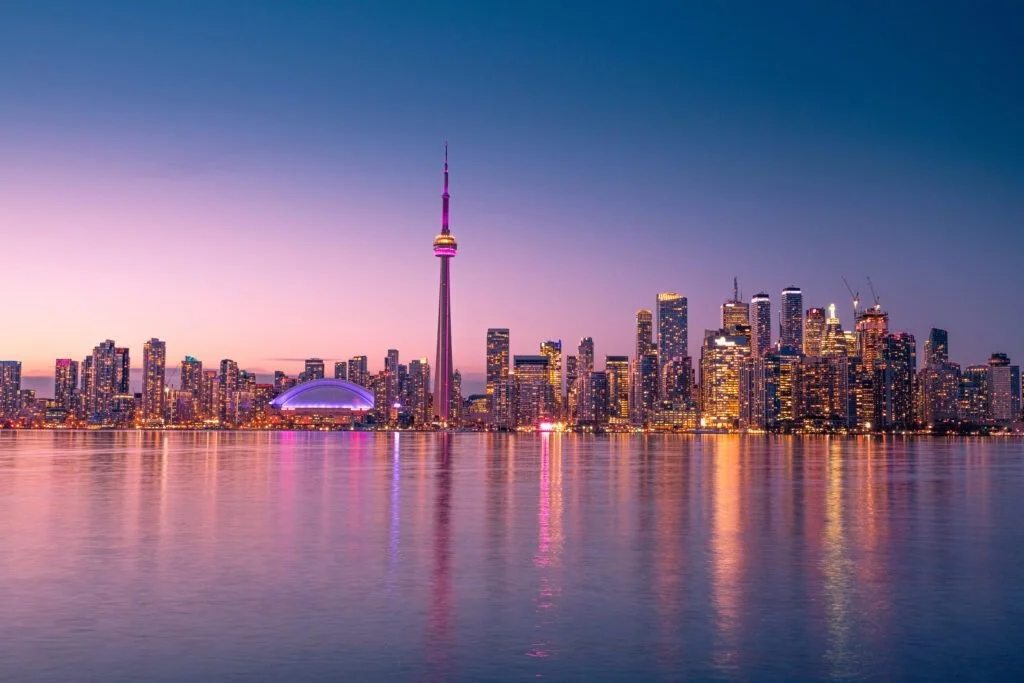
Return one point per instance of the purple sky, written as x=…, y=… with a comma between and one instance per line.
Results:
x=261, y=181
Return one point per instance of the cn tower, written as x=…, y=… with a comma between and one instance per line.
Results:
x=444, y=248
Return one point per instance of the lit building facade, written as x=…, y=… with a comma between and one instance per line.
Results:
x=497, y=356
x=644, y=333
x=814, y=332
x=761, y=324
x=65, y=384
x=722, y=356
x=673, y=328
x=616, y=369
x=154, y=365
x=895, y=373
x=10, y=389
x=534, y=393
x=552, y=350
x=791, y=328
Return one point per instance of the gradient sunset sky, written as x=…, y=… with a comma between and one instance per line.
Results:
x=261, y=180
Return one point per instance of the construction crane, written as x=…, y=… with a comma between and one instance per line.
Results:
x=873, y=295
x=855, y=296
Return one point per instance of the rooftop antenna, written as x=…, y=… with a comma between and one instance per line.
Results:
x=735, y=289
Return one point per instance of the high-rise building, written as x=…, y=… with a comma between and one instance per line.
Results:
x=769, y=391
x=974, y=395
x=595, y=400
x=314, y=369
x=895, y=372
x=417, y=398
x=833, y=341
x=673, y=327
x=938, y=385
x=228, y=390
x=722, y=356
x=936, y=348
x=791, y=328
x=497, y=356
x=736, y=313
x=445, y=248
x=644, y=333
x=65, y=384
x=108, y=371
x=533, y=389
x=154, y=363
x=10, y=389
x=553, y=351
x=647, y=388
x=571, y=375
x=391, y=381
x=122, y=371
x=761, y=324
x=616, y=369
x=358, y=371
x=340, y=370
x=872, y=328
x=1003, y=409
x=585, y=357
x=814, y=332
x=192, y=376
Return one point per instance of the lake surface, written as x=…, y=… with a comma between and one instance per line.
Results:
x=476, y=557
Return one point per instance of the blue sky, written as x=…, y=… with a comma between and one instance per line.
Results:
x=285, y=158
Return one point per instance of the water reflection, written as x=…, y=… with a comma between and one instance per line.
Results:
x=439, y=630
x=271, y=557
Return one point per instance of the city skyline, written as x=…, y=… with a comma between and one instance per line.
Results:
x=179, y=194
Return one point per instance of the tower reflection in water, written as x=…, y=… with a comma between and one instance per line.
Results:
x=439, y=630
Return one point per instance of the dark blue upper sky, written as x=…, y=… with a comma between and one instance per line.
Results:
x=601, y=152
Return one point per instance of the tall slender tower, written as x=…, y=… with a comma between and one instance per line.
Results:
x=444, y=248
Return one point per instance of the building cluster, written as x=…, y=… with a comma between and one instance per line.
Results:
x=815, y=378
x=97, y=392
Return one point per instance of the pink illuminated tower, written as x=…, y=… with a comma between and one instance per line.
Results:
x=444, y=248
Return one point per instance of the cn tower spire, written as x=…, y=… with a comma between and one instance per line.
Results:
x=445, y=196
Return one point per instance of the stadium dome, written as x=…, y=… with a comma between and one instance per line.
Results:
x=323, y=395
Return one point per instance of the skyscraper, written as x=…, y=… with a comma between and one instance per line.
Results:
x=533, y=389
x=644, y=333
x=895, y=372
x=617, y=370
x=154, y=363
x=65, y=384
x=936, y=347
x=497, y=356
x=10, y=389
x=192, y=376
x=108, y=371
x=585, y=357
x=553, y=351
x=340, y=370
x=122, y=371
x=814, y=332
x=1000, y=392
x=672, y=327
x=721, y=358
x=761, y=322
x=872, y=328
x=735, y=313
x=445, y=247
x=228, y=390
x=791, y=328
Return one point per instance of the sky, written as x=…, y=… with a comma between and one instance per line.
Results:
x=261, y=180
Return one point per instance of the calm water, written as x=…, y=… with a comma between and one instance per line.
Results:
x=372, y=557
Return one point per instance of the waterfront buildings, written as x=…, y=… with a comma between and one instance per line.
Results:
x=10, y=389
x=65, y=384
x=814, y=332
x=673, y=331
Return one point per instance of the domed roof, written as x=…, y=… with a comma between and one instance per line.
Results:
x=325, y=394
